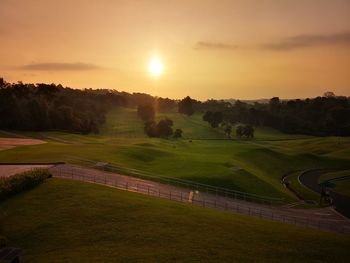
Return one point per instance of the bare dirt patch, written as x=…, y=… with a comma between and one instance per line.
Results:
x=7, y=143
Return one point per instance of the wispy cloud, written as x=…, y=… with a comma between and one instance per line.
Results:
x=304, y=41
x=59, y=66
x=286, y=44
x=214, y=45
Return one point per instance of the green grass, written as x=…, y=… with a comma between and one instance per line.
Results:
x=301, y=189
x=254, y=166
x=341, y=186
x=68, y=221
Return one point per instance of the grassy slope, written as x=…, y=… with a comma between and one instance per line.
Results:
x=252, y=166
x=67, y=221
x=301, y=189
x=341, y=186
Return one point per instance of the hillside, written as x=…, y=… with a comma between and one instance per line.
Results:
x=65, y=220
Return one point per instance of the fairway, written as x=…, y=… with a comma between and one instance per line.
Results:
x=253, y=166
x=111, y=225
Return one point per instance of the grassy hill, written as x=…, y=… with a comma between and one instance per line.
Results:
x=340, y=186
x=68, y=221
x=254, y=166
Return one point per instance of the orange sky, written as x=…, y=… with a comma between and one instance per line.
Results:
x=210, y=49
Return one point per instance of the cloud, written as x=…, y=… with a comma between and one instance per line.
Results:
x=304, y=41
x=286, y=44
x=214, y=45
x=60, y=66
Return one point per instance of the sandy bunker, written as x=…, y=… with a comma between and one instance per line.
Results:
x=7, y=143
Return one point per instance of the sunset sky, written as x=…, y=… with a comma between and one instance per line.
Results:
x=209, y=49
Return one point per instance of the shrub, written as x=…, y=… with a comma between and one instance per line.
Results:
x=178, y=133
x=21, y=182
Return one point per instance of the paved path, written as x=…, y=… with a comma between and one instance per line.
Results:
x=311, y=178
x=321, y=218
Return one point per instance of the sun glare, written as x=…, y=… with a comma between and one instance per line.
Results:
x=155, y=67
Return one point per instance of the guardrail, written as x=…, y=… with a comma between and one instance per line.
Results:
x=216, y=190
x=186, y=196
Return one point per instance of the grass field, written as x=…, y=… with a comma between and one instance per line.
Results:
x=252, y=166
x=69, y=221
x=341, y=186
x=301, y=189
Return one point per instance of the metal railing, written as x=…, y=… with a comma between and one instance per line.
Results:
x=216, y=190
x=209, y=201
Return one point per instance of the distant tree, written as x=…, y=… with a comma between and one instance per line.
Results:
x=245, y=131
x=329, y=94
x=274, y=104
x=249, y=131
x=178, y=133
x=161, y=129
x=151, y=128
x=207, y=116
x=146, y=112
x=213, y=118
x=164, y=128
x=228, y=130
x=186, y=106
x=239, y=131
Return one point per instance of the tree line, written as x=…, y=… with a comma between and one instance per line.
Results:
x=42, y=107
x=321, y=116
x=39, y=107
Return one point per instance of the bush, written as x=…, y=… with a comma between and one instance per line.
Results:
x=21, y=182
x=178, y=133
x=161, y=129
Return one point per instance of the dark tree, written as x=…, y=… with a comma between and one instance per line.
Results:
x=178, y=133
x=164, y=128
x=245, y=131
x=151, y=128
x=186, y=106
x=161, y=129
x=228, y=130
x=213, y=118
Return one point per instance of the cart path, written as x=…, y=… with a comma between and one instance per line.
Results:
x=322, y=218
x=311, y=178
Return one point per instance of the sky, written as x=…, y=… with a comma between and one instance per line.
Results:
x=217, y=49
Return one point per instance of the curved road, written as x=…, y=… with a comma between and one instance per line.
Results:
x=310, y=180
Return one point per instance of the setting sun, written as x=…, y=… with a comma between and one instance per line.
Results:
x=155, y=67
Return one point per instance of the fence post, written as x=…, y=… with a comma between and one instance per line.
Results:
x=181, y=196
x=170, y=195
x=148, y=189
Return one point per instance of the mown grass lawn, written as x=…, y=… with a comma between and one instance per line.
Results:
x=254, y=166
x=69, y=221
